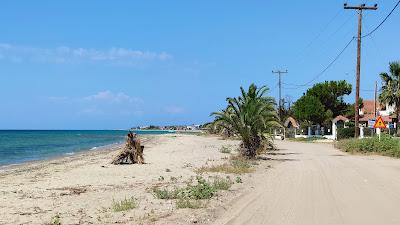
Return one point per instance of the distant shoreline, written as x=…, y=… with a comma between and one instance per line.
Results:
x=20, y=147
x=7, y=168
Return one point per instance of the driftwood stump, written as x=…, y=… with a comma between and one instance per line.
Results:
x=131, y=153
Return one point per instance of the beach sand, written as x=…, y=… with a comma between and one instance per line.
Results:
x=81, y=188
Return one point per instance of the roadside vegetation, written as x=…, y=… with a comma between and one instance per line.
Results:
x=387, y=146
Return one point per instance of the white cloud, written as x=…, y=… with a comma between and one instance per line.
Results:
x=103, y=103
x=110, y=97
x=67, y=55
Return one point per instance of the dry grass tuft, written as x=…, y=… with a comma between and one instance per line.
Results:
x=236, y=166
x=124, y=205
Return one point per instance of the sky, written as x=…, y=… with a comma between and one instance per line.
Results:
x=117, y=64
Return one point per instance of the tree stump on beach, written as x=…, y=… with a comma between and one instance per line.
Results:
x=131, y=153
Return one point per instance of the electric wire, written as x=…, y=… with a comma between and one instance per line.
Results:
x=327, y=67
x=383, y=21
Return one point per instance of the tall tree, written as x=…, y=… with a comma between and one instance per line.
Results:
x=391, y=89
x=330, y=94
x=309, y=109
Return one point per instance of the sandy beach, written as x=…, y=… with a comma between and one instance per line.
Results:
x=81, y=188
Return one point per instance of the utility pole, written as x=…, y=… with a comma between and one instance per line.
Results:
x=359, y=9
x=376, y=93
x=280, y=90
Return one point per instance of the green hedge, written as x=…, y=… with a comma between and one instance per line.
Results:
x=345, y=133
x=388, y=145
x=368, y=132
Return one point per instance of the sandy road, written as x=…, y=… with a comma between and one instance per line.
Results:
x=317, y=184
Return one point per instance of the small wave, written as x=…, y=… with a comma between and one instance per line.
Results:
x=94, y=148
x=70, y=153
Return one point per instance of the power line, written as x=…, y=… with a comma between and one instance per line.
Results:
x=383, y=21
x=327, y=67
x=337, y=57
x=316, y=37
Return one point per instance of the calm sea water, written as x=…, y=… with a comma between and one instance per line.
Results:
x=18, y=146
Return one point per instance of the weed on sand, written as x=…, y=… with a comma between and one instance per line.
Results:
x=225, y=149
x=193, y=194
x=235, y=166
x=124, y=205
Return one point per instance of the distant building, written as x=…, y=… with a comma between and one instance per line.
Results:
x=367, y=112
x=291, y=123
x=193, y=127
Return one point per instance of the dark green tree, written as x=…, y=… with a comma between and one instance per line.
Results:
x=309, y=109
x=351, y=109
x=330, y=94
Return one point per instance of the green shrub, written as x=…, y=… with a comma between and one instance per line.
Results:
x=345, y=133
x=191, y=195
x=388, y=145
x=189, y=203
x=124, y=205
x=236, y=166
x=241, y=163
x=225, y=149
x=165, y=193
x=202, y=190
x=368, y=132
x=350, y=124
x=55, y=220
x=222, y=183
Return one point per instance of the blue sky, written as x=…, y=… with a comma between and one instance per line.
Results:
x=116, y=64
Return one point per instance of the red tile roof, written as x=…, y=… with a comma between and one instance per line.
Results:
x=369, y=106
x=367, y=117
x=340, y=118
x=293, y=121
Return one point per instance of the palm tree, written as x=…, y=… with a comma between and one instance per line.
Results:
x=250, y=116
x=391, y=88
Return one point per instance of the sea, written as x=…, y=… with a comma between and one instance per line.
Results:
x=21, y=146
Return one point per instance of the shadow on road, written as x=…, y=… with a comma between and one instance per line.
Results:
x=276, y=159
x=283, y=153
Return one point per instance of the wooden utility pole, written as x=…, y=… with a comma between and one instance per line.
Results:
x=359, y=9
x=376, y=94
x=280, y=90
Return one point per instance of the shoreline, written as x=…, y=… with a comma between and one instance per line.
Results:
x=26, y=146
x=81, y=188
x=32, y=164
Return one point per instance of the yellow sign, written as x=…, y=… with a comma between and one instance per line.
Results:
x=379, y=123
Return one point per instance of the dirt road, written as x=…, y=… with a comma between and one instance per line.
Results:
x=317, y=184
